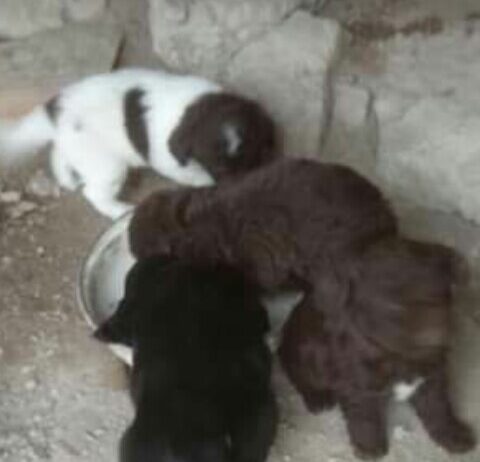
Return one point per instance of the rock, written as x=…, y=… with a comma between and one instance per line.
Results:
x=42, y=185
x=430, y=154
x=288, y=70
x=20, y=18
x=80, y=10
x=315, y=7
x=200, y=37
x=21, y=209
x=33, y=69
x=429, y=124
x=10, y=197
x=352, y=137
x=31, y=384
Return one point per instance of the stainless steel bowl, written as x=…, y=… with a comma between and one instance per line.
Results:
x=101, y=280
x=101, y=284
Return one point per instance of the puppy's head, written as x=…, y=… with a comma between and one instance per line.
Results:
x=227, y=134
x=156, y=222
x=402, y=296
x=120, y=327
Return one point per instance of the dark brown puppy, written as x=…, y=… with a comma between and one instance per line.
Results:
x=389, y=337
x=327, y=230
x=294, y=220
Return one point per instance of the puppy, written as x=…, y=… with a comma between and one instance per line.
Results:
x=201, y=374
x=186, y=128
x=388, y=337
x=292, y=222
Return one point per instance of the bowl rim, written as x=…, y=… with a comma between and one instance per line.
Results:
x=95, y=249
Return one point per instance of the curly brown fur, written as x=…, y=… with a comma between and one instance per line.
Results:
x=393, y=327
x=228, y=134
x=291, y=221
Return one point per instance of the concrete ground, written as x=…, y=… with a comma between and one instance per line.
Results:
x=63, y=396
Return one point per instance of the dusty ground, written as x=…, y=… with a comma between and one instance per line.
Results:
x=62, y=395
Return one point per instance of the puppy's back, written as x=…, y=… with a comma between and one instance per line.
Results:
x=321, y=207
x=211, y=305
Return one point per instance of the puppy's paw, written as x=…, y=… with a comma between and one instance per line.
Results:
x=370, y=450
x=369, y=440
x=317, y=402
x=457, y=439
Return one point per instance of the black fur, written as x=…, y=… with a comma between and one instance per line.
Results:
x=53, y=109
x=135, y=122
x=201, y=374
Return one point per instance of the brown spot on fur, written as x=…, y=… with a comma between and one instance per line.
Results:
x=52, y=108
x=135, y=122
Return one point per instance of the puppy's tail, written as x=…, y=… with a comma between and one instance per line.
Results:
x=22, y=139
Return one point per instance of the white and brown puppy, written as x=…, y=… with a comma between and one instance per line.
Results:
x=185, y=127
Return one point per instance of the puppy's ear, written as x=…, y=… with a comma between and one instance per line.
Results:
x=117, y=328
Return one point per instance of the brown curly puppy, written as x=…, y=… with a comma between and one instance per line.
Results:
x=388, y=337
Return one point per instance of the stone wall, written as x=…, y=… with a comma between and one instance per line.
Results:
x=20, y=18
x=407, y=116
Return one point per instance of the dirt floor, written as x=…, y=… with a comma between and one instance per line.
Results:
x=63, y=396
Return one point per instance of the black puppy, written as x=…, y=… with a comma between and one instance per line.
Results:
x=201, y=370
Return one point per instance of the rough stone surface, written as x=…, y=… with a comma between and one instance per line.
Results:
x=429, y=127
x=200, y=37
x=32, y=69
x=353, y=133
x=81, y=10
x=10, y=197
x=19, y=18
x=288, y=70
x=42, y=185
x=431, y=154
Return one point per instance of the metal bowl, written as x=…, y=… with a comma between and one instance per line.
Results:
x=101, y=284
x=101, y=281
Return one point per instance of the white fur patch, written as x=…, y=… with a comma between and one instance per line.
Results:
x=233, y=139
x=403, y=391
